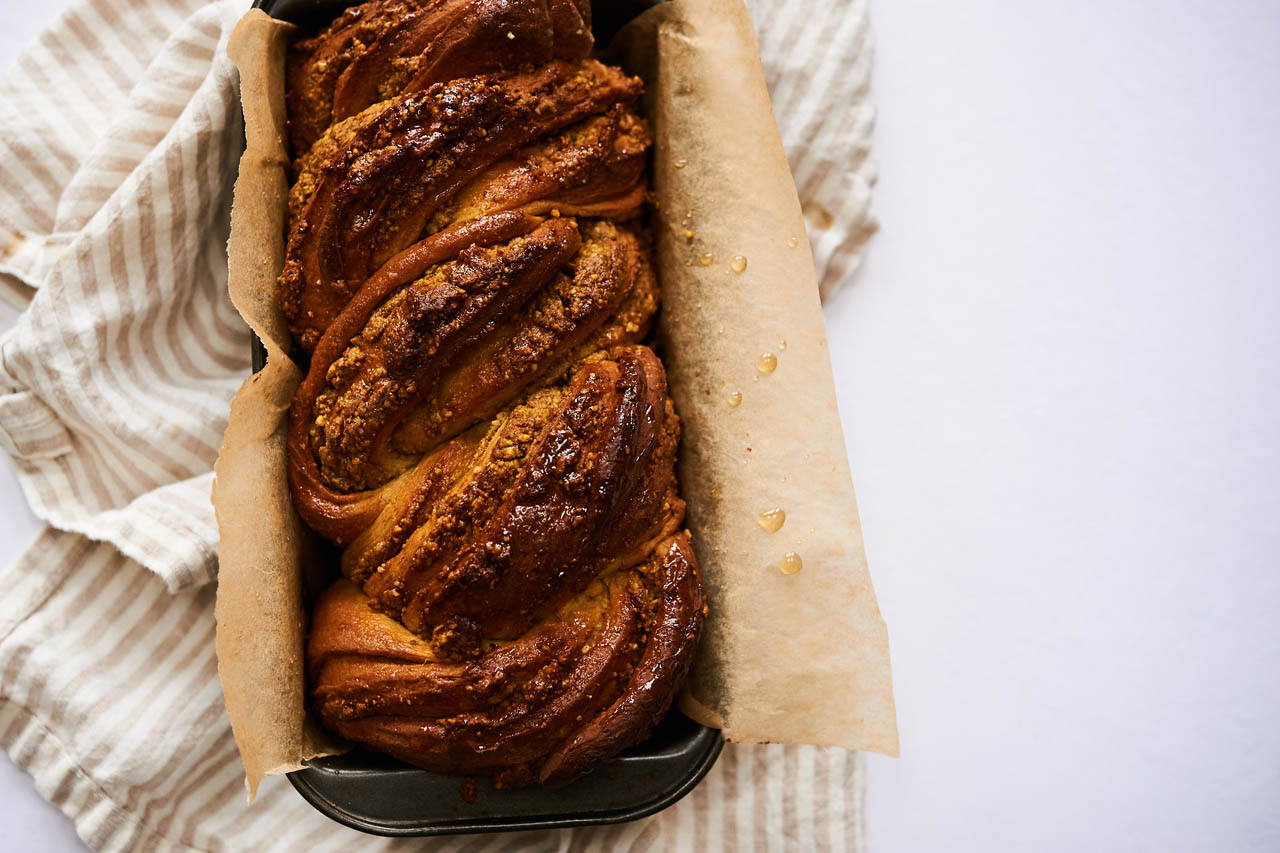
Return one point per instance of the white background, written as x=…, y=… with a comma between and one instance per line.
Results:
x=1059, y=372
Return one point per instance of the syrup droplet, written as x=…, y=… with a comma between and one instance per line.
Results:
x=793, y=242
x=739, y=263
x=688, y=235
x=511, y=35
x=735, y=399
x=783, y=345
x=708, y=259
x=767, y=362
x=817, y=214
x=680, y=164
x=772, y=520
x=791, y=563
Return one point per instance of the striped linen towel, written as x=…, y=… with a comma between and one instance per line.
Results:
x=119, y=134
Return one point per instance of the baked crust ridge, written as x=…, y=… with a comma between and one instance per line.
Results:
x=482, y=427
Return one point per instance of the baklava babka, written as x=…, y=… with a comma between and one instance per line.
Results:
x=482, y=429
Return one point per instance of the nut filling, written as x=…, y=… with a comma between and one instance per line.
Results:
x=482, y=428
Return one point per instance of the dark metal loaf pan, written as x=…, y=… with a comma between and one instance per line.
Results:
x=375, y=793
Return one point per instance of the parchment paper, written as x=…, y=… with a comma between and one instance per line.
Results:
x=798, y=658
x=262, y=544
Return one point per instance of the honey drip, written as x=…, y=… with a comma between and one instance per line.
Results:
x=735, y=399
x=680, y=164
x=791, y=563
x=793, y=242
x=767, y=362
x=708, y=259
x=739, y=263
x=771, y=520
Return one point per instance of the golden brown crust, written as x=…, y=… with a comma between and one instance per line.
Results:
x=415, y=340
x=480, y=428
x=382, y=49
x=594, y=168
x=393, y=166
x=590, y=680
x=534, y=520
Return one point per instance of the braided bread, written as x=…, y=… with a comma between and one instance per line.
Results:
x=481, y=427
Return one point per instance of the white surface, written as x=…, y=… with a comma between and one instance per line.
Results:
x=1059, y=373
x=27, y=821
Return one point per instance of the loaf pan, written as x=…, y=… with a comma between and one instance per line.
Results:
x=375, y=793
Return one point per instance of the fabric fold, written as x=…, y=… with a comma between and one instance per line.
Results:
x=122, y=365
x=29, y=429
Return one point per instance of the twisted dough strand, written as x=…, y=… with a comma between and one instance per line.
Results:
x=481, y=428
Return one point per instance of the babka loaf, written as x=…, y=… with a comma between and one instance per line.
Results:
x=482, y=428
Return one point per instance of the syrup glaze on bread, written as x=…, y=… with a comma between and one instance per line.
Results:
x=482, y=428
